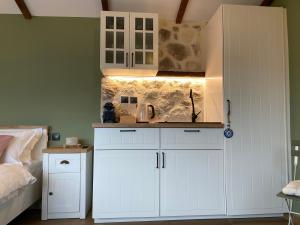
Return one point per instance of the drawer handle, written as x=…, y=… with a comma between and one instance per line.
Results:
x=192, y=131
x=50, y=193
x=127, y=130
x=65, y=162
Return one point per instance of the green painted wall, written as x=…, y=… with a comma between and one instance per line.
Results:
x=293, y=8
x=293, y=16
x=49, y=73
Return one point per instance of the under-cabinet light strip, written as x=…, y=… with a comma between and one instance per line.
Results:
x=170, y=79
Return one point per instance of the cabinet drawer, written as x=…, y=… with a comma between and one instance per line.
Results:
x=192, y=138
x=126, y=138
x=64, y=163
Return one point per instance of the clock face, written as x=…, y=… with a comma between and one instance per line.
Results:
x=228, y=133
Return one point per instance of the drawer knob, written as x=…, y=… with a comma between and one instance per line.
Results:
x=192, y=131
x=65, y=162
x=50, y=193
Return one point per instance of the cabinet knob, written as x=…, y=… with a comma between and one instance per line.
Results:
x=50, y=193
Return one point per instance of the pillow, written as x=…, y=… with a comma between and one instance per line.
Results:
x=13, y=177
x=19, y=149
x=32, y=142
x=293, y=188
x=4, y=141
x=36, y=153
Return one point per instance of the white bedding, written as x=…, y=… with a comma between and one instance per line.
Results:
x=35, y=168
x=13, y=177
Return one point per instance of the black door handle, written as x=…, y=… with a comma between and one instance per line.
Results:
x=157, y=160
x=163, y=160
x=132, y=59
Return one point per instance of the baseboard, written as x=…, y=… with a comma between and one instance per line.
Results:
x=98, y=220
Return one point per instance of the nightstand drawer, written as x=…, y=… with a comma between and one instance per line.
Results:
x=64, y=163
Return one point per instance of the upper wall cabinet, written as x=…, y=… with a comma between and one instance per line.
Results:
x=128, y=43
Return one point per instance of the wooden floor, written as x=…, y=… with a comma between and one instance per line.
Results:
x=32, y=217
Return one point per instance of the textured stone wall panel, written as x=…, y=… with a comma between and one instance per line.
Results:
x=180, y=46
x=169, y=97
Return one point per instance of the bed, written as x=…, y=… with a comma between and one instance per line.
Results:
x=25, y=197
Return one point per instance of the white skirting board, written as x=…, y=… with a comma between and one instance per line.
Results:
x=184, y=218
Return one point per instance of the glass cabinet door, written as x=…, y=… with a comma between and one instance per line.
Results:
x=144, y=40
x=114, y=47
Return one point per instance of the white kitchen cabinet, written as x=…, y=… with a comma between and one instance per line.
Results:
x=254, y=69
x=126, y=184
x=64, y=201
x=136, y=179
x=129, y=43
x=67, y=183
x=114, y=50
x=192, y=183
x=143, y=40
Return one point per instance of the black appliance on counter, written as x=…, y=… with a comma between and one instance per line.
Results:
x=109, y=114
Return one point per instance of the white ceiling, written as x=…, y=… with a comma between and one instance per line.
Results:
x=197, y=10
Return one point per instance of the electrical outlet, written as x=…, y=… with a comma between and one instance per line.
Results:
x=55, y=136
x=133, y=100
x=124, y=99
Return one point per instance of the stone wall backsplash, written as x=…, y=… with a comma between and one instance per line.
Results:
x=170, y=97
x=180, y=46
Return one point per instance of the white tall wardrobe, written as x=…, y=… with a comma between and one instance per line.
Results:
x=247, y=64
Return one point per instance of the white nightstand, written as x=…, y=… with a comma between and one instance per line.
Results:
x=67, y=182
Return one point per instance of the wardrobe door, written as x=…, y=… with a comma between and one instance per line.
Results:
x=256, y=87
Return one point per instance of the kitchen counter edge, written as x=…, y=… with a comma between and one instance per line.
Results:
x=159, y=125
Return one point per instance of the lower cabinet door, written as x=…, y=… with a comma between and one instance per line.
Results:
x=192, y=183
x=126, y=184
x=64, y=193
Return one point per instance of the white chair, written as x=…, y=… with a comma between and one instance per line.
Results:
x=290, y=198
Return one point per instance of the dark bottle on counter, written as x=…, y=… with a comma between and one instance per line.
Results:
x=109, y=115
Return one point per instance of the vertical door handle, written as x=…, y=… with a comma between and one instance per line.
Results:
x=157, y=160
x=127, y=59
x=132, y=59
x=228, y=111
x=163, y=160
